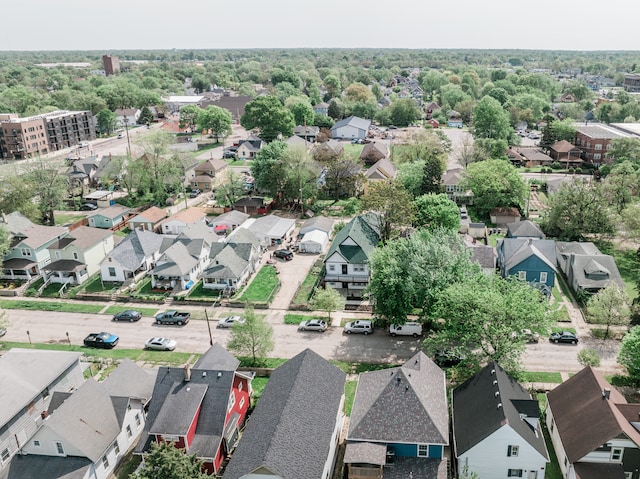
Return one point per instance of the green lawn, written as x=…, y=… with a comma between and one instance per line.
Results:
x=628, y=264
x=96, y=285
x=559, y=329
x=50, y=306
x=292, y=318
x=258, y=383
x=542, y=377
x=306, y=288
x=349, y=396
x=143, y=311
x=352, y=150
x=198, y=292
x=65, y=219
x=262, y=287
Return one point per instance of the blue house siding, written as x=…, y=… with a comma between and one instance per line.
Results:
x=411, y=450
x=533, y=266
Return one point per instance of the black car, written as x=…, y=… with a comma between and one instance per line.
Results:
x=564, y=337
x=128, y=315
x=88, y=207
x=283, y=254
x=229, y=154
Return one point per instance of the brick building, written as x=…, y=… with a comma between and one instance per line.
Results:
x=111, y=65
x=595, y=142
x=22, y=138
x=632, y=83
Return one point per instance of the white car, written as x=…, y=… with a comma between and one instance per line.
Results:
x=363, y=326
x=230, y=321
x=161, y=344
x=313, y=325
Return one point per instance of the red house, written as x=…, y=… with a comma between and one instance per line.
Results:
x=199, y=409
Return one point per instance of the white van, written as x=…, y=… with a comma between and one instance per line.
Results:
x=407, y=329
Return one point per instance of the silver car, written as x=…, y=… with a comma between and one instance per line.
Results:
x=230, y=321
x=161, y=344
x=313, y=325
x=363, y=326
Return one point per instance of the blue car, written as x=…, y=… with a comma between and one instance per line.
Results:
x=101, y=340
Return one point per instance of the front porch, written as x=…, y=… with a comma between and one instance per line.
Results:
x=66, y=271
x=19, y=268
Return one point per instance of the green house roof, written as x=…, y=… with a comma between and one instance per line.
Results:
x=362, y=234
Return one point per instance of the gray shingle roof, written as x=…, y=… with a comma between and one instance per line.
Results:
x=476, y=414
x=321, y=223
x=132, y=251
x=289, y=432
x=598, y=271
x=515, y=250
x=25, y=373
x=362, y=233
x=32, y=466
x=417, y=389
x=177, y=260
x=87, y=419
x=524, y=229
x=360, y=123
x=213, y=410
x=130, y=380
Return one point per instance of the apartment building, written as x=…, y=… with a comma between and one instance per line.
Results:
x=22, y=138
x=632, y=83
x=595, y=142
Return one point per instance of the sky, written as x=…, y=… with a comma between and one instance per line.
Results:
x=107, y=25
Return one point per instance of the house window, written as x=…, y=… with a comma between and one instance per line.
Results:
x=597, y=156
x=75, y=255
x=543, y=277
x=36, y=443
x=59, y=448
x=241, y=402
x=240, y=386
x=45, y=393
x=116, y=448
x=105, y=461
x=512, y=451
x=598, y=147
x=129, y=434
x=137, y=419
x=514, y=473
x=57, y=253
x=358, y=267
x=616, y=454
x=423, y=450
x=129, y=407
x=232, y=402
x=332, y=267
x=5, y=454
x=25, y=251
x=522, y=275
x=628, y=475
x=112, y=271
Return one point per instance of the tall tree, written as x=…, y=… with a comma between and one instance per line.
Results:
x=216, y=119
x=392, y=203
x=610, y=306
x=495, y=183
x=189, y=116
x=578, y=211
x=436, y=211
x=165, y=461
x=107, y=120
x=267, y=167
x=482, y=317
x=230, y=190
x=620, y=185
x=407, y=275
x=629, y=354
x=302, y=112
x=403, y=112
x=269, y=116
x=328, y=300
x=253, y=338
x=491, y=121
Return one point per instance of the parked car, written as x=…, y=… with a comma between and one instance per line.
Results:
x=194, y=193
x=101, y=340
x=230, y=321
x=2, y=332
x=128, y=315
x=530, y=336
x=313, y=325
x=563, y=337
x=534, y=136
x=363, y=326
x=83, y=144
x=88, y=207
x=229, y=154
x=120, y=136
x=447, y=359
x=161, y=344
x=283, y=254
x=173, y=317
x=410, y=328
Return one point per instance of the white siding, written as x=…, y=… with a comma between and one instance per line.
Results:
x=489, y=458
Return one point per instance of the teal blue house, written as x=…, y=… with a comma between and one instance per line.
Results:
x=399, y=418
x=529, y=259
x=109, y=217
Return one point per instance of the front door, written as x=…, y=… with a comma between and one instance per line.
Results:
x=344, y=269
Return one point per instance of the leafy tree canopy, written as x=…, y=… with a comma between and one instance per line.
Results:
x=253, y=338
x=168, y=462
x=269, y=116
x=436, y=211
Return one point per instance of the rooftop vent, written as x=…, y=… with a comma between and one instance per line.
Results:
x=495, y=382
x=499, y=405
x=606, y=393
x=493, y=371
x=497, y=393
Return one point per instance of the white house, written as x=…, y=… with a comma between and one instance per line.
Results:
x=127, y=116
x=134, y=255
x=177, y=223
x=349, y=128
x=86, y=433
x=497, y=430
x=347, y=261
x=29, y=378
x=271, y=229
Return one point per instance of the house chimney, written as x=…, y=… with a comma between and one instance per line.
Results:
x=606, y=393
x=44, y=414
x=187, y=372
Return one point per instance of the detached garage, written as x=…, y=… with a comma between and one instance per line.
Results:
x=314, y=242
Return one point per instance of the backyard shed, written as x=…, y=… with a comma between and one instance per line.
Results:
x=314, y=242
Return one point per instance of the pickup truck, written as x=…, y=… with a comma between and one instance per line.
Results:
x=101, y=340
x=173, y=317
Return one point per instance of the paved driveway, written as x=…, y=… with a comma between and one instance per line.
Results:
x=292, y=274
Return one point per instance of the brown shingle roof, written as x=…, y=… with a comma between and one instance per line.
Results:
x=188, y=216
x=585, y=418
x=153, y=214
x=562, y=146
